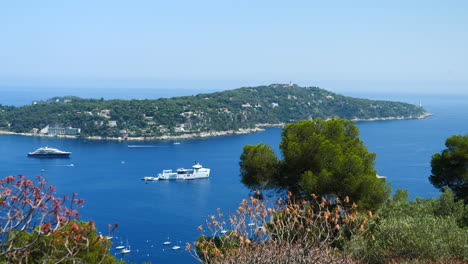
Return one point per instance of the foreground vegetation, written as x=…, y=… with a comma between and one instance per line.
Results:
x=334, y=231
x=38, y=227
x=419, y=231
x=328, y=158
x=242, y=108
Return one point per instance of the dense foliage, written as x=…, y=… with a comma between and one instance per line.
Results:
x=450, y=167
x=221, y=111
x=419, y=231
x=322, y=157
x=75, y=242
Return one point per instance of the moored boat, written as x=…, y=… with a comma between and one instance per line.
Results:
x=125, y=251
x=48, y=152
x=196, y=172
x=149, y=178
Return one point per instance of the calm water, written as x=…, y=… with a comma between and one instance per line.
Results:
x=106, y=174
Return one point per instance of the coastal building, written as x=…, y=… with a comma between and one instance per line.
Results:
x=57, y=130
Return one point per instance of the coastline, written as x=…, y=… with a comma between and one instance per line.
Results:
x=392, y=118
x=242, y=131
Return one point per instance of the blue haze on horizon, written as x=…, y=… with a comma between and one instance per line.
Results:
x=218, y=45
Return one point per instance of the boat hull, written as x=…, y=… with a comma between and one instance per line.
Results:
x=66, y=155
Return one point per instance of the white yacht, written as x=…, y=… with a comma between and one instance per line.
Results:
x=48, y=152
x=196, y=172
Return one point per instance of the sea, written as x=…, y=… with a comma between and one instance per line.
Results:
x=106, y=174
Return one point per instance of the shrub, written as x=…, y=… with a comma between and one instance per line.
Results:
x=290, y=232
x=427, y=230
x=36, y=226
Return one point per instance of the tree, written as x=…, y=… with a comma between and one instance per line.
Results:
x=36, y=226
x=450, y=167
x=259, y=165
x=322, y=157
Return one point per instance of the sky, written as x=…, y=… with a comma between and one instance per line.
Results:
x=112, y=43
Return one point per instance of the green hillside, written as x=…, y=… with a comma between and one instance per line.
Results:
x=221, y=111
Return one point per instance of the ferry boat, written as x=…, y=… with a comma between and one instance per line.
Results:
x=196, y=172
x=48, y=152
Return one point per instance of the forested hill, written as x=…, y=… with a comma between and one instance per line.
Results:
x=221, y=111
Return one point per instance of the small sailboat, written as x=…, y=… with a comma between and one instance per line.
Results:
x=167, y=243
x=119, y=247
x=175, y=247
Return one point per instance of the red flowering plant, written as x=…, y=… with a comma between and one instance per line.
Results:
x=35, y=224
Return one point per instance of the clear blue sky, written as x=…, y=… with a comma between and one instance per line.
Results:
x=141, y=43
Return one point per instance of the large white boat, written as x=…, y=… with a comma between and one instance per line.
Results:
x=48, y=152
x=196, y=172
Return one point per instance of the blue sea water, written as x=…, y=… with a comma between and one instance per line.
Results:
x=106, y=173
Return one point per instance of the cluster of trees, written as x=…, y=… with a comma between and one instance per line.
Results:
x=325, y=169
x=221, y=111
x=321, y=157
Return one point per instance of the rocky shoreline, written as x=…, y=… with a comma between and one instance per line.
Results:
x=392, y=118
x=258, y=128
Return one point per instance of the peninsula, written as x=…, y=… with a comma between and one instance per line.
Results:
x=238, y=111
